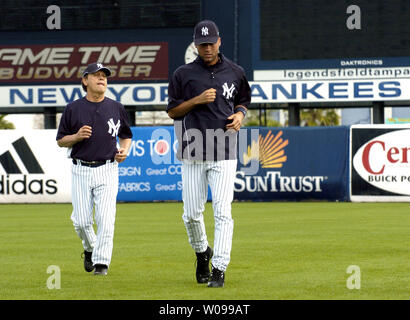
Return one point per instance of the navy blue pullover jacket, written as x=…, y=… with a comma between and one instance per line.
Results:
x=208, y=121
x=108, y=120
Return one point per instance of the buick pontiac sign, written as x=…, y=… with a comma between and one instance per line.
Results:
x=380, y=163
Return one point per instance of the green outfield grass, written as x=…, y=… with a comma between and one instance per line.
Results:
x=280, y=251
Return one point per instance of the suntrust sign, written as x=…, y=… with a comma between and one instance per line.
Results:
x=380, y=163
x=293, y=163
x=66, y=62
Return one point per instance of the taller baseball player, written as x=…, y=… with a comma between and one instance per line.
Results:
x=208, y=100
x=89, y=127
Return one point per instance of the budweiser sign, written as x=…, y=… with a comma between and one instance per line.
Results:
x=66, y=62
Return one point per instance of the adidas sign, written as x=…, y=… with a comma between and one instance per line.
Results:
x=18, y=185
x=33, y=168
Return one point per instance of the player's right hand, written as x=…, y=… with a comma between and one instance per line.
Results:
x=84, y=133
x=207, y=96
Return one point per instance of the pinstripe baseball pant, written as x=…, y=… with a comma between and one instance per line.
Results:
x=95, y=187
x=220, y=175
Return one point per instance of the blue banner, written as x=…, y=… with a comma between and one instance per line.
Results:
x=151, y=172
x=295, y=163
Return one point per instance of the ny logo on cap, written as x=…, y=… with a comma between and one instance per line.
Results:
x=113, y=128
x=228, y=92
x=204, y=31
x=99, y=65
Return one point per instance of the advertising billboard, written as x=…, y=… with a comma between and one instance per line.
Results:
x=151, y=172
x=31, y=173
x=294, y=164
x=274, y=164
x=380, y=169
x=65, y=63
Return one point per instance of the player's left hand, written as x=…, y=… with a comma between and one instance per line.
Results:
x=121, y=155
x=236, y=121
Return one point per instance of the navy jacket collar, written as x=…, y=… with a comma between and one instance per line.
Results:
x=202, y=63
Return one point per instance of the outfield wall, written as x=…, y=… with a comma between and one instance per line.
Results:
x=274, y=164
x=292, y=164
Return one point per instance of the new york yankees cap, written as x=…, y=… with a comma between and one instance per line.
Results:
x=206, y=31
x=96, y=66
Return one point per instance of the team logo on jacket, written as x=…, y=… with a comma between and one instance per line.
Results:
x=113, y=128
x=268, y=150
x=228, y=91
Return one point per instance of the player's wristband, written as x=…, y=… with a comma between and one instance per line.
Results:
x=241, y=109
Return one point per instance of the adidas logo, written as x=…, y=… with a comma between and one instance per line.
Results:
x=26, y=155
x=15, y=181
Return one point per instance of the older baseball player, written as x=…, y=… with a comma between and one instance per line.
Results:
x=209, y=96
x=89, y=127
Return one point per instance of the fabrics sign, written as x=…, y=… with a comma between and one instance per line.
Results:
x=151, y=171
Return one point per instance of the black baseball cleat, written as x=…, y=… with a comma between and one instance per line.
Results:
x=101, y=270
x=202, y=265
x=88, y=264
x=217, y=278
